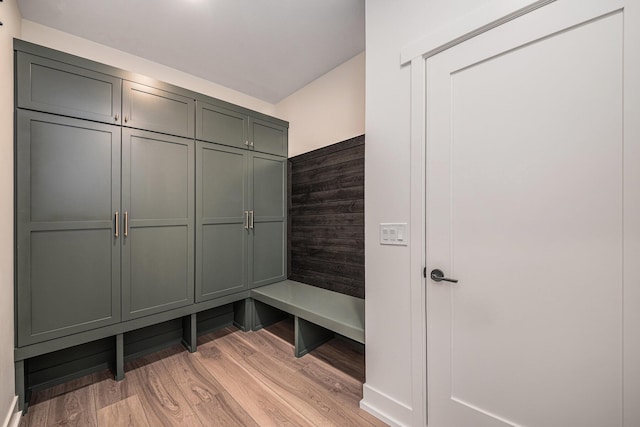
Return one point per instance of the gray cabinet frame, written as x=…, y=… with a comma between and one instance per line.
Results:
x=63, y=105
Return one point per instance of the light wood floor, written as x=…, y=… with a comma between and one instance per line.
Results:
x=234, y=379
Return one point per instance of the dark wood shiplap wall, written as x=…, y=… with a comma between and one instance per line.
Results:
x=326, y=217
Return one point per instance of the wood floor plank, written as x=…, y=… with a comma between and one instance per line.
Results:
x=73, y=404
x=163, y=403
x=311, y=400
x=271, y=345
x=213, y=405
x=38, y=410
x=264, y=407
x=108, y=391
x=235, y=379
x=126, y=413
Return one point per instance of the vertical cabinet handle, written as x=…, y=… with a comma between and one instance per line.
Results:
x=117, y=223
x=126, y=224
x=246, y=220
x=251, y=220
x=246, y=143
x=117, y=117
x=126, y=119
x=251, y=144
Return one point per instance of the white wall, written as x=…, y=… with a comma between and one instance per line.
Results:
x=65, y=42
x=327, y=110
x=10, y=17
x=391, y=26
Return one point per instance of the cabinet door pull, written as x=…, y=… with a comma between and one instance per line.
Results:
x=246, y=220
x=117, y=223
x=251, y=220
x=126, y=119
x=117, y=116
x=126, y=224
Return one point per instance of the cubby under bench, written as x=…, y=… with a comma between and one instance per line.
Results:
x=319, y=313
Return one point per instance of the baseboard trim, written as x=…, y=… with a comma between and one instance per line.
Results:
x=12, y=419
x=385, y=407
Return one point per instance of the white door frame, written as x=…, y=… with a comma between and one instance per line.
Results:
x=483, y=19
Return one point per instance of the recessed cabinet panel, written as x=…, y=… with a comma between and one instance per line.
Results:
x=68, y=257
x=268, y=137
x=224, y=182
x=56, y=87
x=62, y=188
x=148, y=108
x=158, y=222
x=160, y=178
x=224, y=261
x=159, y=268
x=70, y=279
x=269, y=190
x=220, y=125
x=268, y=264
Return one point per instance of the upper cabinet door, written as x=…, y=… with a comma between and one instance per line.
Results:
x=149, y=108
x=56, y=87
x=268, y=137
x=221, y=125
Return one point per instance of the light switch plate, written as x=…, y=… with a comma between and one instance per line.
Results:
x=394, y=234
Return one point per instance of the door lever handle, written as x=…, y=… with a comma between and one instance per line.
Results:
x=438, y=276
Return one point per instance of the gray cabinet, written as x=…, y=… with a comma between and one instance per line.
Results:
x=158, y=220
x=268, y=219
x=222, y=125
x=268, y=137
x=68, y=254
x=240, y=220
x=122, y=219
x=55, y=87
x=150, y=108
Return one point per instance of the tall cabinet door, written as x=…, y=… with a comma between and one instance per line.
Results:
x=158, y=221
x=268, y=224
x=222, y=187
x=67, y=244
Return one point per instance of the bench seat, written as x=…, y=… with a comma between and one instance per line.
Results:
x=313, y=307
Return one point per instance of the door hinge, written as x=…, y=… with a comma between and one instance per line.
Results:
x=424, y=272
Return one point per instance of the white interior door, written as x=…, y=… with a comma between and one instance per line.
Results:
x=532, y=206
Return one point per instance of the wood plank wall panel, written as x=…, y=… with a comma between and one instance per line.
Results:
x=326, y=217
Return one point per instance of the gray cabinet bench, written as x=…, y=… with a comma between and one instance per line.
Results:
x=318, y=313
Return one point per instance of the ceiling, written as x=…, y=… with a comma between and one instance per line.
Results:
x=266, y=49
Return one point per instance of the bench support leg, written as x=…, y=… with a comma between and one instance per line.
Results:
x=243, y=314
x=189, y=333
x=119, y=374
x=309, y=336
x=265, y=315
x=21, y=386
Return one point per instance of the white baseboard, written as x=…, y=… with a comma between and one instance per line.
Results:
x=385, y=408
x=12, y=419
